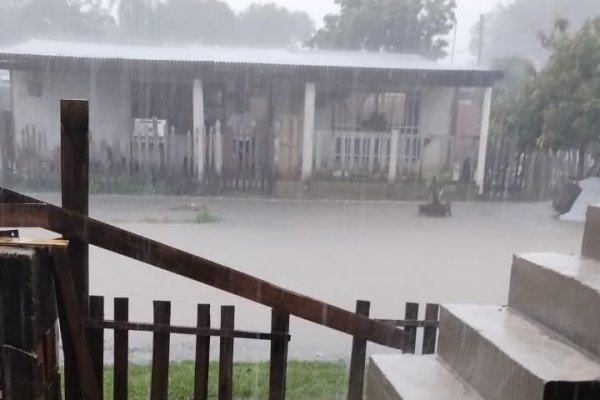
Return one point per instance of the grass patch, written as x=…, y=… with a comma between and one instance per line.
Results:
x=305, y=381
x=205, y=216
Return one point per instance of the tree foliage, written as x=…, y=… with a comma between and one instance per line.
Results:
x=404, y=26
x=512, y=28
x=559, y=107
x=188, y=21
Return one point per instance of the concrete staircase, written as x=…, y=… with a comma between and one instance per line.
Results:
x=545, y=345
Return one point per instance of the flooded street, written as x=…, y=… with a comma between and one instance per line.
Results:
x=338, y=252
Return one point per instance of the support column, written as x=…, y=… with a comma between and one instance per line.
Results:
x=198, y=125
x=393, y=156
x=310, y=97
x=483, y=138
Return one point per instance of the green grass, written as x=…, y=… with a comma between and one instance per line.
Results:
x=205, y=216
x=305, y=381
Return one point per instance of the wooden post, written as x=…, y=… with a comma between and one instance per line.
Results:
x=96, y=339
x=160, y=353
x=226, y=353
x=74, y=117
x=410, y=338
x=28, y=362
x=358, y=358
x=202, y=355
x=432, y=312
x=121, y=351
x=310, y=95
x=280, y=325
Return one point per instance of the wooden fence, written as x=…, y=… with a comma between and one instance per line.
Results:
x=528, y=175
x=227, y=333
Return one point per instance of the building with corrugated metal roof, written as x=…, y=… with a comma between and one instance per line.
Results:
x=251, y=118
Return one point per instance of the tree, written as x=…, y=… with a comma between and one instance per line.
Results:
x=512, y=29
x=54, y=18
x=570, y=89
x=558, y=107
x=195, y=21
x=270, y=25
x=516, y=108
x=403, y=26
x=136, y=17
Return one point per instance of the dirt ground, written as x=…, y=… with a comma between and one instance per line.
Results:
x=338, y=252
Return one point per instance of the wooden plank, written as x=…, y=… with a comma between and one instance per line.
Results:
x=411, y=314
x=202, y=354
x=74, y=140
x=121, y=351
x=96, y=340
x=159, y=387
x=180, y=330
x=128, y=244
x=71, y=320
x=22, y=242
x=432, y=312
x=358, y=358
x=225, y=391
x=23, y=215
x=280, y=325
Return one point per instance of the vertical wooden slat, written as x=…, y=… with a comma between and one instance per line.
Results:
x=121, y=350
x=280, y=325
x=160, y=353
x=410, y=339
x=202, y=354
x=226, y=353
x=358, y=358
x=74, y=141
x=430, y=333
x=96, y=340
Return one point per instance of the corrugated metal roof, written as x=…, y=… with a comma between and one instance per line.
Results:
x=229, y=55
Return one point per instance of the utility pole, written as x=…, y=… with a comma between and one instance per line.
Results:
x=481, y=39
x=454, y=43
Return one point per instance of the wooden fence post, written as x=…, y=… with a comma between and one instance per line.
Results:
x=280, y=325
x=226, y=353
x=430, y=333
x=96, y=340
x=410, y=337
x=202, y=355
x=358, y=358
x=160, y=353
x=121, y=350
x=74, y=117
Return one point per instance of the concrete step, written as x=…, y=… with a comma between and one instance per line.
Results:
x=505, y=356
x=409, y=377
x=561, y=292
x=591, y=238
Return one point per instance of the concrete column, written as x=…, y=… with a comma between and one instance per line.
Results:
x=393, y=156
x=310, y=97
x=483, y=138
x=198, y=124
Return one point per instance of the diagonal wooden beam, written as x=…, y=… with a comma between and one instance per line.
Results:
x=71, y=319
x=24, y=215
x=77, y=227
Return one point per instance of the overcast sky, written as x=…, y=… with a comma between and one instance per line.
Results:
x=468, y=12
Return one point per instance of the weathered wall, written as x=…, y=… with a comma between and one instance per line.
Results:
x=109, y=98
